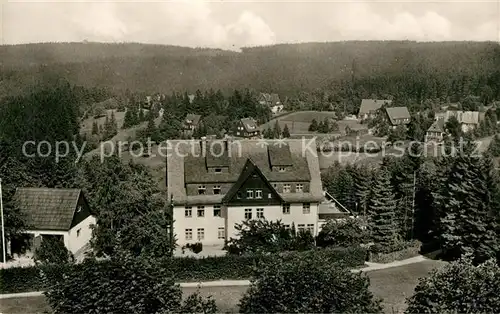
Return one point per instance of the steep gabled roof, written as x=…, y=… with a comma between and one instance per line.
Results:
x=395, y=113
x=249, y=169
x=193, y=117
x=437, y=126
x=186, y=165
x=370, y=105
x=249, y=124
x=48, y=209
x=275, y=99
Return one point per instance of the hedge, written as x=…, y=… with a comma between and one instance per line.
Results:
x=191, y=269
x=411, y=249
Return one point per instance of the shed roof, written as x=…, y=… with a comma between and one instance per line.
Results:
x=48, y=209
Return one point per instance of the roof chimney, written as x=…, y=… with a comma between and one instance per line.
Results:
x=203, y=146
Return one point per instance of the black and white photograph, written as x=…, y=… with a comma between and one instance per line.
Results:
x=249, y=156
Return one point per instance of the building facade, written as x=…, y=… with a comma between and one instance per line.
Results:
x=214, y=189
x=398, y=116
x=60, y=213
x=247, y=128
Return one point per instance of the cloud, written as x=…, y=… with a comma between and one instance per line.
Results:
x=358, y=22
x=249, y=30
x=230, y=25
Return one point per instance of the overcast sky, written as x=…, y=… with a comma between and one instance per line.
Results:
x=232, y=24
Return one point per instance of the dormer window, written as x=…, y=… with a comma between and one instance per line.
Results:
x=286, y=188
x=218, y=170
x=299, y=188
x=281, y=169
x=201, y=189
x=216, y=189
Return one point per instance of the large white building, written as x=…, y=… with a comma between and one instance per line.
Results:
x=217, y=184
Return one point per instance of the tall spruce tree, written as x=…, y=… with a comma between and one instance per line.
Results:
x=277, y=130
x=362, y=185
x=381, y=210
x=469, y=207
x=95, y=128
x=286, y=132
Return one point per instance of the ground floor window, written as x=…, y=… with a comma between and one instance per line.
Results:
x=201, y=233
x=189, y=234
x=310, y=228
x=221, y=233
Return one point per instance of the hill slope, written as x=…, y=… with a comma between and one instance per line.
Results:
x=281, y=68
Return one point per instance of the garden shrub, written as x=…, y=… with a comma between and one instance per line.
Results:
x=186, y=269
x=125, y=285
x=52, y=251
x=308, y=286
x=343, y=233
x=403, y=251
x=195, y=247
x=458, y=287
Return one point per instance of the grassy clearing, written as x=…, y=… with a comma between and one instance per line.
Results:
x=298, y=122
x=396, y=284
x=32, y=305
x=86, y=125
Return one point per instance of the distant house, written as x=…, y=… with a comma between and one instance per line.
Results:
x=436, y=132
x=247, y=128
x=191, y=98
x=369, y=107
x=272, y=101
x=398, y=116
x=191, y=122
x=469, y=120
x=60, y=213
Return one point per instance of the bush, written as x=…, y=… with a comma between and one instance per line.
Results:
x=308, y=286
x=262, y=236
x=52, y=251
x=196, y=247
x=125, y=285
x=403, y=251
x=459, y=287
x=344, y=233
x=186, y=269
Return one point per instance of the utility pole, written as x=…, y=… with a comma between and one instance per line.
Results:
x=171, y=230
x=4, y=258
x=413, y=203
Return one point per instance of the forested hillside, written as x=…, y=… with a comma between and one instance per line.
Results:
x=405, y=70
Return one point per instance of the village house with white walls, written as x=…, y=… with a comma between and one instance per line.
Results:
x=60, y=213
x=368, y=108
x=217, y=184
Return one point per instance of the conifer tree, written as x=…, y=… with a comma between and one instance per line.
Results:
x=362, y=186
x=113, y=124
x=314, y=126
x=277, y=130
x=286, y=132
x=469, y=207
x=95, y=128
x=381, y=210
